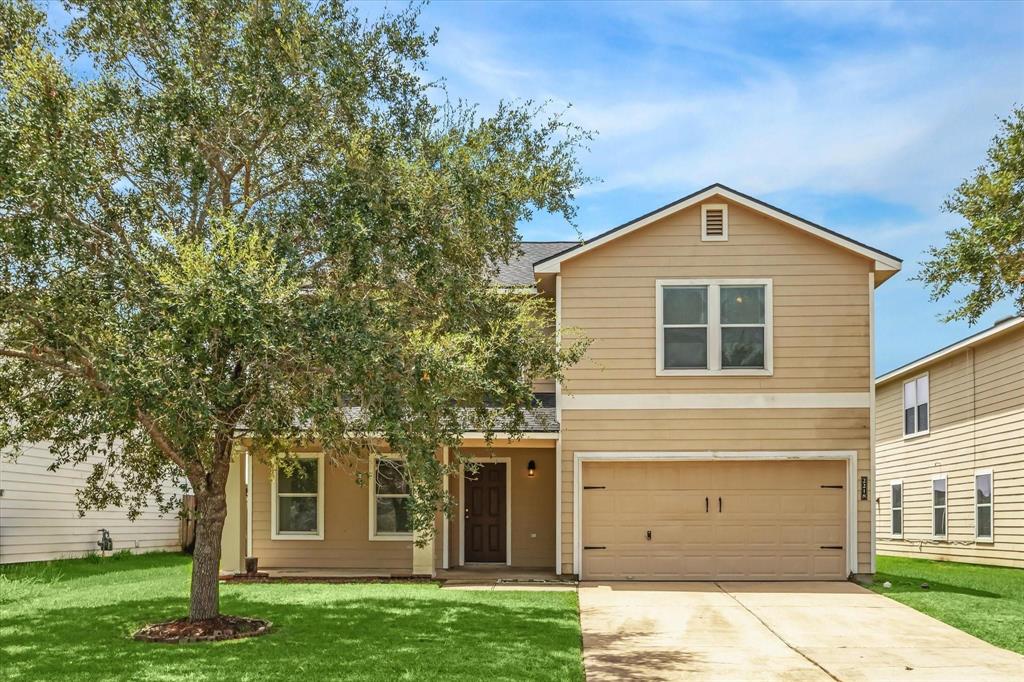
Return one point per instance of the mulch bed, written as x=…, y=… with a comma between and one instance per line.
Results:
x=264, y=578
x=181, y=631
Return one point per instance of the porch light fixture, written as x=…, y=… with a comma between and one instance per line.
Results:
x=531, y=469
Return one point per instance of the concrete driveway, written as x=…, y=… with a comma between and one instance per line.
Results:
x=774, y=631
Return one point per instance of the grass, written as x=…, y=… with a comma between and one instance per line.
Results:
x=985, y=601
x=72, y=620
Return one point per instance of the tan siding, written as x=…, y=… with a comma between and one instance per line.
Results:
x=821, y=344
x=39, y=517
x=346, y=542
x=977, y=422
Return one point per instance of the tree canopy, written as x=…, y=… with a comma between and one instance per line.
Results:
x=258, y=219
x=986, y=256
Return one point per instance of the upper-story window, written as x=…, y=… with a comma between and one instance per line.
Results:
x=714, y=327
x=915, y=406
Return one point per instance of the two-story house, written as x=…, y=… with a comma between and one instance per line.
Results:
x=950, y=443
x=720, y=426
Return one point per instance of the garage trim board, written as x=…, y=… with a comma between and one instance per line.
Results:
x=848, y=456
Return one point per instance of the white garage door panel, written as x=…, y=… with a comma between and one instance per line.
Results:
x=775, y=519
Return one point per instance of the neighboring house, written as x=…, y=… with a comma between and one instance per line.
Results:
x=719, y=426
x=950, y=451
x=39, y=517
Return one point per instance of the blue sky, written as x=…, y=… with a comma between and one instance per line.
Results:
x=860, y=116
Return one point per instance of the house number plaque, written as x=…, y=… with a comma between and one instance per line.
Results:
x=863, y=487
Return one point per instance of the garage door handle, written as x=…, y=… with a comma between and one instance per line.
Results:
x=719, y=504
x=594, y=547
x=831, y=547
x=706, y=505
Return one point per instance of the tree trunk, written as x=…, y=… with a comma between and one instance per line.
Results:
x=205, y=600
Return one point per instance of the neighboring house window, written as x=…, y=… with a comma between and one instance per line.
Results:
x=714, y=222
x=915, y=406
x=389, y=500
x=939, y=506
x=298, y=500
x=896, y=503
x=714, y=327
x=983, y=520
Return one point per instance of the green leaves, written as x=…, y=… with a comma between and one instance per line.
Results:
x=986, y=256
x=255, y=222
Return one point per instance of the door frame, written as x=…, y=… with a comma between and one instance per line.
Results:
x=507, y=461
x=848, y=456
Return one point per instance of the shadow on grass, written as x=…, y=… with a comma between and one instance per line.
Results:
x=905, y=584
x=331, y=636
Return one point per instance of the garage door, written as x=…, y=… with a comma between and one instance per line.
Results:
x=782, y=520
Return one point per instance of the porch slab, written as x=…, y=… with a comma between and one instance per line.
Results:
x=501, y=577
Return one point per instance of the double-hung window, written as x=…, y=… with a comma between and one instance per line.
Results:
x=389, y=500
x=983, y=519
x=915, y=406
x=714, y=327
x=297, y=504
x=939, y=504
x=896, y=507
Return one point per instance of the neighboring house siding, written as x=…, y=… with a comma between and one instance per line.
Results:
x=976, y=401
x=39, y=517
x=821, y=301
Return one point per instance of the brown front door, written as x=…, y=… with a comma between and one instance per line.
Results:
x=485, y=514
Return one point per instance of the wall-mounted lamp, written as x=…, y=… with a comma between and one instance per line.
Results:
x=531, y=468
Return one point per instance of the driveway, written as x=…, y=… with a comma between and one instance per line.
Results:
x=774, y=631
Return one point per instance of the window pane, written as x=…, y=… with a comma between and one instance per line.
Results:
x=686, y=348
x=985, y=522
x=922, y=417
x=393, y=515
x=909, y=395
x=390, y=480
x=940, y=521
x=908, y=420
x=742, y=347
x=922, y=389
x=742, y=305
x=302, y=479
x=685, y=305
x=939, y=492
x=983, y=488
x=897, y=496
x=296, y=514
x=897, y=521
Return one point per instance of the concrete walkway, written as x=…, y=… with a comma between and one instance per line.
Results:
x=774, y=631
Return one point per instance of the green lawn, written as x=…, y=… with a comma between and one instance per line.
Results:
x=72, y=620
x=986, y=601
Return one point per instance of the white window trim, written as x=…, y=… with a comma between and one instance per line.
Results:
x=275, y=534
x=372, y=504
x=508, y=505
x=985, y=539
x=931, y=501
x=893, y=508
x=714, y=328
x=903, y=414
x=704, y=236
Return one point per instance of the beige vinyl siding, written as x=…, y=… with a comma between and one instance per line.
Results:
x=533, y=507
x=722, y=430
x=820, y=300
x=346, y=523
x=39, y=517
x=976, y=401
x=821, y=336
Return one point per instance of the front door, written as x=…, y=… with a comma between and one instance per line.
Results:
x=485, y=514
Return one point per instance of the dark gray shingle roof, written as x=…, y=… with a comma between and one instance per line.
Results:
x=519, y=271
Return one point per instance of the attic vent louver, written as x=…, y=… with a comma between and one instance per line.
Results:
x=714, y=222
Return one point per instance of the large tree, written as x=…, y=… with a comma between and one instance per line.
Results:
x=223, y=219
x=986, y=256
